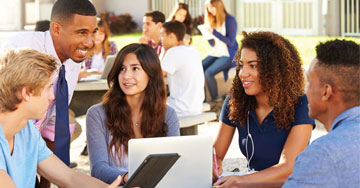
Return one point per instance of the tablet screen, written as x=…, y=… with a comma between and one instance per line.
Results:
x=152, y=170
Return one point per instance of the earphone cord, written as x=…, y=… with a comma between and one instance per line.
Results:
x=252, y=146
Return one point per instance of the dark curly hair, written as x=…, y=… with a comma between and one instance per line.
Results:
x=281, y=77
x=339, y=65
x=153, y=108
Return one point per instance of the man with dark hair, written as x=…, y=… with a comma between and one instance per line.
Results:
x=333, y=93
x=183, y=68
x=72, y=29
x=152, y=23
x=334, y=98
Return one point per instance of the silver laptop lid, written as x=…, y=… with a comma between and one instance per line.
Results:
x=194, y=167
x=109, y=62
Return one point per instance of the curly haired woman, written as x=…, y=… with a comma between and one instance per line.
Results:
x=268, y=107
x=133, y=107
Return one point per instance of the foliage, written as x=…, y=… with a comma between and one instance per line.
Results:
x=119, y=24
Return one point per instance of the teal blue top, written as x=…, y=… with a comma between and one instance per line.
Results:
x=29, y=150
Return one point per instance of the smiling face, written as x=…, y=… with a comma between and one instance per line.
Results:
x=132, y=78
x=73, y=38
x=249, y=73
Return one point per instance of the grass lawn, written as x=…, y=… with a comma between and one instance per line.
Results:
x=304, y=44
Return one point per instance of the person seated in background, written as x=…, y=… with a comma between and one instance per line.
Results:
x=25, y=93
x=182, y=67
x=268, y=107
x=133, y=107
x=95, y=59
x=223, y=27
x=181, y=13
x=152, y=23
x=334, y=99
x=42, y=25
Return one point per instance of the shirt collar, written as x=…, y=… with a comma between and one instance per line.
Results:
x=49, y=46
x=349, y=114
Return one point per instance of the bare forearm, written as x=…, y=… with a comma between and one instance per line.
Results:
x=274, y=173
x=273, y=184
x=83, y=180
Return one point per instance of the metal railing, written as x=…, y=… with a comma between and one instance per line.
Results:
x=196, y=7
x=350, y=22
x=289, y=17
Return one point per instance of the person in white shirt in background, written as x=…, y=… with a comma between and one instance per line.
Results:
x=183, y=68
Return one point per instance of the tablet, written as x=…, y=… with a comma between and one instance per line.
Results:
x=152, y=170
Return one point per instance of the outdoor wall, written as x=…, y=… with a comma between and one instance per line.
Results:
x=99, y=5
x=136, y=8
x=11, y=15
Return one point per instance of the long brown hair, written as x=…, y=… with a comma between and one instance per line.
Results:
x=281, y=76
x=153, y=108
x=217, y=20
x=187, y=21
x=104, y=27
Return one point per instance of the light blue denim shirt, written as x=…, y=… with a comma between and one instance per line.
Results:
x=332, y=160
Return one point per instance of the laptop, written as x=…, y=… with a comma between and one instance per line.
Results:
x=109, y=62
x=152, y=170
x=193, y=168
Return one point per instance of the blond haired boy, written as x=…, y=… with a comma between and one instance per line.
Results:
x=25, y=92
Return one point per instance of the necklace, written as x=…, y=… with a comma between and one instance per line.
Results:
x=136, y=124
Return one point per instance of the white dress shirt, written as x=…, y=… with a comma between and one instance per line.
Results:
x=42, y=41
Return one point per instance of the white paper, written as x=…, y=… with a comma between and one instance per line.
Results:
x=236, y=173
x=205, y=32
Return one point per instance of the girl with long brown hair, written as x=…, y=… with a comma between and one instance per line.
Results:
x=268, y=107
x=223, y=27
x=133, y=107
x=181, y=14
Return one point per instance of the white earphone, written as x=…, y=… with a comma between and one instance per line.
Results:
x=252, y=144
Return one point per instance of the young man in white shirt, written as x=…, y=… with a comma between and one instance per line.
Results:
x=184, y=71
x=25, y=93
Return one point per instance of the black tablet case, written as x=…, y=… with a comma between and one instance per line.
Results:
x=152, y=170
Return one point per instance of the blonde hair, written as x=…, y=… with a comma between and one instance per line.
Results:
x=104, y=27
x=217, y=20
x=23, y=68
